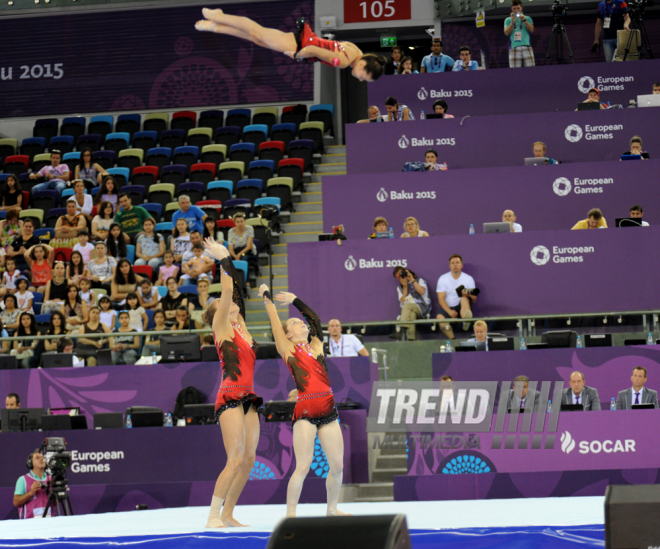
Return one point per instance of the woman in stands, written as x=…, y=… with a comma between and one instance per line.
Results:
x=411, y=226
x=10, y=227
x=116, y=242
x=108, y=192
x=56, y=328
x=301, y=44
x=89, y=171
x=124, y=282
x=440, y=107
x=101, y=268
x=315, y=413
x=171, y=301
x=396, y=112
x=406, y=66
x=12, y=196
x=103, y=221
x=68, y=226
x=87, y=347
x=84, y=202
x=236, y=403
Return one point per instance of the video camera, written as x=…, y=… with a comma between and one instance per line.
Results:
x=54, y=450
x=558, y=9
x=637, y=7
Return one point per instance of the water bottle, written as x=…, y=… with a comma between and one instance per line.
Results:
x=579, y=342
x=379, y=118
x=391, y=233
x=613, y=405
x=448, y=347
x=549, y=406
x=649, y=340
x=129, y=423
x=170, y=423
x=164, y=419
x=422, y=116
x=471, y=228
x=154, y=360
x=523, y=345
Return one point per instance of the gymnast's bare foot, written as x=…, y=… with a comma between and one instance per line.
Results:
x=231, y=522
x=338, y=513
x=215, y=522
x=213, y=15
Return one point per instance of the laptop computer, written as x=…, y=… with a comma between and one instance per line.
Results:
x=631, y=157
x=57, y=360
x=8, y=362
x=499, y=227
x=652, y=100
x=645, y=406
x=628, y=222
x=571, y=408
x=433, y=115
x=591, y=106
x=109, y=420
x=536, y=161
x=532, y=346
x=472, y=345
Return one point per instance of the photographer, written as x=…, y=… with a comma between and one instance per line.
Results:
x=30, y=495
x=456, y=294
x=413, y=294
x=612, y=17
x=518, y=27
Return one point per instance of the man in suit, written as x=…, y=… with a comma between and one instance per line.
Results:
x=579, y=393
x=521, y=396
x=638, y=394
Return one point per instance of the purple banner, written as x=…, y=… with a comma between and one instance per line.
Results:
x=568, y=191
x=536, y=272
x=546, y=89
x=504, y=140
x=150, y=59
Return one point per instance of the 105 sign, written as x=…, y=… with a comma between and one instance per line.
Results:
x=375, y=10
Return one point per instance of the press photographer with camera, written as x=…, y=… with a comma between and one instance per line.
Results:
x=414, y=299
x=612, y=17
x=518, y=27
x=30, y=495
x=457, y=293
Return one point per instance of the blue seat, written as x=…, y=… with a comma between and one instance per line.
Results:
x=304, y=149
x=194, y=190
x=164, y=226
x=145, y=140
x=159, y=157
x=242, y=152
x=285, y=132
x=242, y=147
x=95, y=191
x=42, y=319
x=105, y=158
x=323, y=107
x=38, y=297
x=117, y=141
x=250, y=189
x=188, y=289
x=236, y=205
x=156, y=210
x=101, y=124
x=162, y=290
x=73, y=126
x=130, y=253
x=268, y=200
x=150, y=315
x=62, y=143
x=255, y=133
x=220, y=190
x=238, y=117
x=71, y=156
x=121, y=175
x=187, y=155
x=261, y=169
x=128, y=123
x=44, y=232
x=243, y=267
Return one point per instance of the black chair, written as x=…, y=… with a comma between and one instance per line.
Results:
x=145, y=140
x=238, y=117
x=73, y=126
x=101, y=125
x=91, y=141
x=228, y=135
x=129, y=123
x=158, y=125
x=46, y=128
x=173, y=138
x=285, y=133
x=213, y=119
x=187, y=156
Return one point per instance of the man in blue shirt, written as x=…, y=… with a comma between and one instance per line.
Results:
x=192, y=214
x=518, y=27
x=466, y=63
x=612, y=17
x=437, y=61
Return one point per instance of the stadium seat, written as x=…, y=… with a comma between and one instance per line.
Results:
x=282, y=188
x=101, y=124
x=271, y=150
x=62, y=143
x=194, y=190
x=261, y=169
x=164, y=228
x=26, y=199
x=303, y=148
x=129, y=123
x=215, y=154
x=120, y=175
x=183, y=120
x=265, y=115
x=32, y=146
x=105, y=159
x=250, y=189
x=145, y=140
x=43, y=159
x=325, y=113
x=8, y=147
x=46, y=128
x=65, y=196
x=117, y=141
x=220, y=191
x=71, y=158
x=227, y=135
x=135, y=193
x=73, y=126
x=53, y=215
x=313, y=131
x=145, y=176
x=144, y=270
x=242, y=267
x=236, y=205
x=261, y=228
x=232, y=171
x=185, y=155
x=156, y=210
x=293, y=168
x=161, y=193
x=268, y=200
x=159, y=157
x=130, y=253
x=291, y=117
x=284, y=133
x=36, y=215
x=242, y=152
x=95, y=191
x=173, y=138
x=156, y=122
x=45, y=200
x=91, y=141
x=224, y=225
x=255, y=133
x=199, y=137
x=211, y=119
x=212, y=208
x=203, y=172
x=238, y=117
x=16, y=164
x=174, y=173
x=189, y=289
x=44, y=234
x=170, y=208
x=130, y=158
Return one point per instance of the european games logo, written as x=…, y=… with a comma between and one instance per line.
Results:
x=350, y=263
x=381, y=195
x=567, y=442
x=573, y=133
x=585, y=84
x=562, y=186
x=403, y=142
x=540, y=255
x=422, y=94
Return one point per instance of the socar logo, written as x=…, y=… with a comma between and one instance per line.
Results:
x=404, y=142
x=567, y=442
x=381, y=195
x=585, y=84
x=573, y=133
x=350, y=263
x=422, y=94
x=562, y=186
x=540, y=255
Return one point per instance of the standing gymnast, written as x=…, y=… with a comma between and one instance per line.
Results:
x=236, y=404
x=303, y=44
x=315, y=412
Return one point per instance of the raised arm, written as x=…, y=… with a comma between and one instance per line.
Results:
x=314, y=322
x=281, y=341
x=221, y=317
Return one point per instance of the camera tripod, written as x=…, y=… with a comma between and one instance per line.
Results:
x=59, y=497
x=557, y=40
x=637, y=23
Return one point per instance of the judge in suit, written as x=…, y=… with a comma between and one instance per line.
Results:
x=638, y=394
x=579, y=393
x=521, y=396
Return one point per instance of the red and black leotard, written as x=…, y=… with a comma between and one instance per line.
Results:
x=315, y=401
x=305, y=37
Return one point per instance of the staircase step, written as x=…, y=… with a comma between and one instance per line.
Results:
x=373, y=499
x=305, y=217
x=335, y=149
x=392, y=461
x=331, y=169
x=313, y=206
x=376, y=490
x=311, y=196
x=387, y=475
x=333, y=159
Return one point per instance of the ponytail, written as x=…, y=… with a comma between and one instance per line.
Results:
x=374, y=65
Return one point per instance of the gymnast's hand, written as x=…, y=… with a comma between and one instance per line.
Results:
x=216, y=249
x=285, y=298
x=262, y=289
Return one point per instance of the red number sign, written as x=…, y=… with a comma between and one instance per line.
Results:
x=361, y=11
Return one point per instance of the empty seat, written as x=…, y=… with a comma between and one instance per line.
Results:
x=130, y=158
x=268, y=201
x=214, y=153
x=74, y=157
x=261, y=169
x=232, y=171
x=73, y=126
x=211, y=119
x=184, y=120
x=293, y=168
x=145, y=140
x=164, y=228
x=45, y=200
x=212, y=208
x=284, y=133
x=46, y=128
x=199, y=137
x=194, y=190
x=129, y=123
x=282, y=188
x=101, y=124
x=8, y=147
x=173, y=138
x=260, y=226
x=62, y=143
x=255, y=133
x=185, y=155
x=250, y=189
x=159, y=157
x=224, y=225
x=323, y=113
x=203, y=172
x=293, y=115
x=35, y=215
x=135, y=193
x=161, y=193
x=105, y=159
x=32, y=146
x=145, y=176
x=16, y=164
x=242, y=152
x=41, y=160
x=156, y=122
x=303, y=148
x=156, y=210
x=271, y=150
x=227, y=135
x=174, y=173
x=117, y=141
x=313, y=131
x=265, y=115
x=220, y=190
x=170, y=208
x=91, y=141
x=235, y=205
x=238, y=117
x=120, y=175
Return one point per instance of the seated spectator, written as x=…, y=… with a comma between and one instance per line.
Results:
x=520, y=394
x=395, y=58
x=509, y=217
x=9, y=278
x=343, y=344
x=150, y=246
x=171, y=301
x=480, y=332
x=108, y=316
x=102, y=268
x=75, y=310
x=124, y=282
x=168, y=270
x=24, y=298
x=152, y=343
x=431, y=161
x=656, y=88
x=84, y=248
x=68, y=227
x=88, y=347
x=88, y=171
x=12, y=402
x=125, y=342
x=57, y=328
x=380, y=226
x=457, y=293
x=66, y=346
x=241, y=238
x=193, y=215
x=86, y=294
x=40, y=260
x=203, y=301
x=103, y=221
x=84, y=202
x=374, y=115
x=593, y=96
x=636, y=148
x=518, y=28
x=440, y=107
x=396, y=112
x=579, y=393
x=466, y=63
x=108, y=193
x=9, y=315
x=539, y=150
x=57, y=175
x=198, y=267
x=180, y=242
x=10, y=228
x=638, y=394
x=414, y=299
x=12, y=195
x=56, y=290
x=116, y=242
x=76, y=269
x=436, y=61
x=138, y=316
x=130, y=217
x=182, y=319
x=5, y=349
x=211, y=232
x=595, y=220
x=148, y=295
x=195, y=238
x=25, y=349
x=406, y=66
x=412, y=228
x=20, y=244
x=636, y=212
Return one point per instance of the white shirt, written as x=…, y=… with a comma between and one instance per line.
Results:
x=517, y=228
x=641, y=395
x=645, y=224
x=348, y=345
x=447, y=284
x=78, y=362
x=575, y=398
x=87, y=206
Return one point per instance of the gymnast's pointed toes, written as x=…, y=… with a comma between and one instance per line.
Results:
x=212, y=14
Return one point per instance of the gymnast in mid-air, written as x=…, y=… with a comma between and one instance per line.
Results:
x=301, y=44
